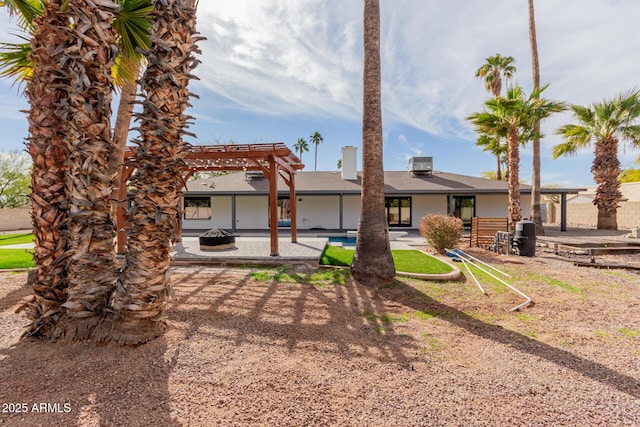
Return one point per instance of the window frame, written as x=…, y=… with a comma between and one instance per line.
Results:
x=206, y=204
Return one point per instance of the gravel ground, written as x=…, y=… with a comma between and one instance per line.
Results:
x=244, y=349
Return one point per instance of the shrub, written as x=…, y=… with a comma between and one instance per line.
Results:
x=441, y=231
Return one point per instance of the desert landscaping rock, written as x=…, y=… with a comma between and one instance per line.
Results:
x=240, y=351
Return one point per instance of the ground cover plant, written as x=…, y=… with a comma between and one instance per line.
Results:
x=408, y=261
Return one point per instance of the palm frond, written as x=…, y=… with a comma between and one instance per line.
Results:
x=24, y=11
x=132, y=25
x=632, y=135
x=14, y=60
x=575, y=137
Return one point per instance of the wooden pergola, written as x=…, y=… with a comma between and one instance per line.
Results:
x=273, y=160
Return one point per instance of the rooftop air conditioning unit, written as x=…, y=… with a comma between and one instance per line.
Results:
x=251, y=175
x=421, y=165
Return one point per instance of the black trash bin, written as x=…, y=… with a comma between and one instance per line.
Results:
x=524, y=240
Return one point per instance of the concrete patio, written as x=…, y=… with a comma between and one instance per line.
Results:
x=256, y=249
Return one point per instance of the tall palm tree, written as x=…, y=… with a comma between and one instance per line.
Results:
x=301, y=146
x=47, y=92
x=37, y=62
x=316, y=139
x=87, y=69
x=132, y=28
x=143, y=287
x=535, y=72
x=604, y=125
x=372, y=263
x=492, y=72
x=513, y=115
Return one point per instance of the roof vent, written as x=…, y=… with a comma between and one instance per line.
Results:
x=422, y=166
x=253, y=175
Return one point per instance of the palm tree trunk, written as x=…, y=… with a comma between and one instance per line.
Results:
x=49, y=151
x=513, y=165
x=143, y=288
x=499, y=168
x=88, y=185
x=535, y=186
x=372, y=263
x=606, y=169
x=120, y=137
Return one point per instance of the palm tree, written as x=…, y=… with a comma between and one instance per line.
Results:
x=300, y=147
x=372, y=263
x=47, y=92
x=143, y=287
x=512, y=116
x=604, y=124
x=87, y=72
x=55, y=126
x=132, y=28
x=316, y=139
x=535, y=185
x=493, y=71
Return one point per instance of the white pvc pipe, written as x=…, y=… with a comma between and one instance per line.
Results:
x=464, y=262
x=473, y=275
x=483, y=263
x=517, y=307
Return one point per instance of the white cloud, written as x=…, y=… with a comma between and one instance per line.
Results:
x=303, y=59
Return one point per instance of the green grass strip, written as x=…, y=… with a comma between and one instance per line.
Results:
x=15, y=258
x=408, y=261
x=15, y=239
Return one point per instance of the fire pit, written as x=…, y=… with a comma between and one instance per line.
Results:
x=217, y=240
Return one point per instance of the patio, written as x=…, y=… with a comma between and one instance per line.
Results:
x=255, y=249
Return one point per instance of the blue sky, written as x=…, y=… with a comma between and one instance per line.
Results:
x=278, y=70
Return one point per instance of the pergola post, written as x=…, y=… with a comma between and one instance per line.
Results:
x=563, y=212
x=273, y=204
x=292, y=206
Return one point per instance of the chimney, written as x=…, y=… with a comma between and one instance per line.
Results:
x=349, y=163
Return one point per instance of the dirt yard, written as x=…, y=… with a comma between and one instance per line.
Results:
x=243, y=348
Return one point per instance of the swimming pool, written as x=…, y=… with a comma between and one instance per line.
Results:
x=345, y=241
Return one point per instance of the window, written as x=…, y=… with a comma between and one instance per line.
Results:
x=398, y=211
x=197, y=208
x=464, y=207
x=284, y=212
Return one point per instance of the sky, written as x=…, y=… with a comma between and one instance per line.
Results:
x=279, y=70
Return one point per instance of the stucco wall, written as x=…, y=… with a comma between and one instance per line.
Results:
x=496, y=205
x=586, y=215
x=220, y=216
x=426, y=204
x=252, y=212
x=318, y=212
x=15, y=219
x=351, y=208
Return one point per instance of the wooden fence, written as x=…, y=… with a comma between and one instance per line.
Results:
x=483, y=230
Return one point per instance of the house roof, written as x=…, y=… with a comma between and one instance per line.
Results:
x=396, y=182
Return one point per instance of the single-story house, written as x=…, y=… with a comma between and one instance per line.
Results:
x=331, y=200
